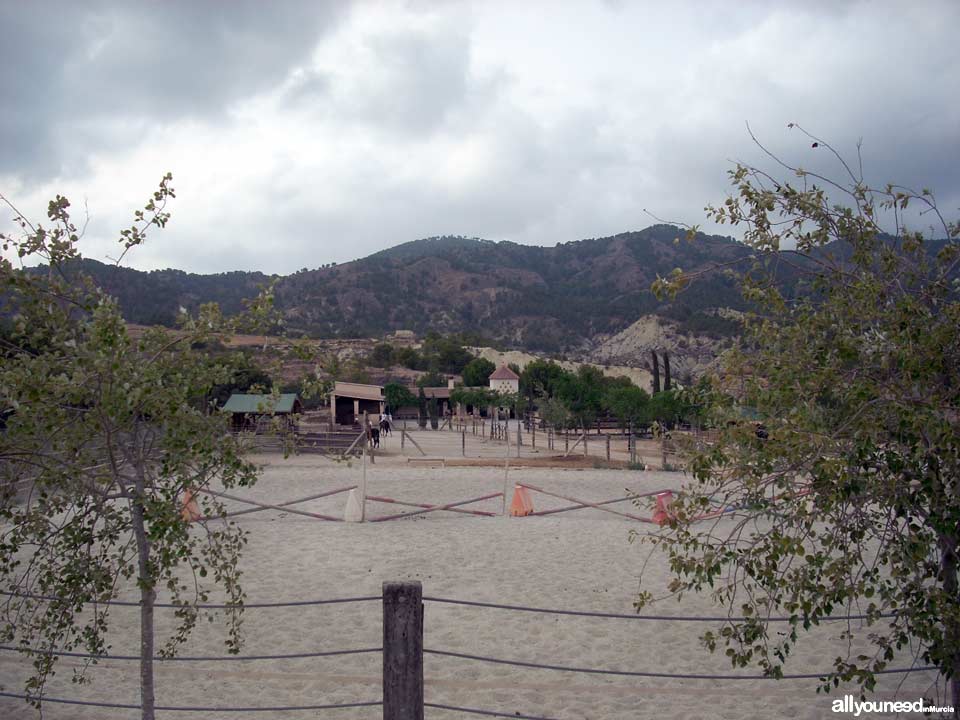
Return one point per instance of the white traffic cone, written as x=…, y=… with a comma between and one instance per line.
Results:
x=353, y=511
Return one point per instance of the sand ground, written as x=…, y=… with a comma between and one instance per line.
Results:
x=579, y=560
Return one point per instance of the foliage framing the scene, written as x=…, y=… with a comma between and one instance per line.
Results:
x=851, y=503
x=105, y=434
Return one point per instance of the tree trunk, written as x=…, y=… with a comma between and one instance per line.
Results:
x=666, y=371
x=148, y=595
x=948, y=567
x=656, y=372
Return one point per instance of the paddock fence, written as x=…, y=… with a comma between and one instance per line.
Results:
x=403, y=652
x=605, y=439
x=332, y=442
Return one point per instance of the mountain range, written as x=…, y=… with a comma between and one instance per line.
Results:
x=548, y=299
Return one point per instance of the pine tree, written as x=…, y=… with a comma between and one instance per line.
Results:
x=656, y=372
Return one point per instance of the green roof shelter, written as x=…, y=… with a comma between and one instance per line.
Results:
x=247, y=410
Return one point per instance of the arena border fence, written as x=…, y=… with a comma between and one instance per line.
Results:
x=403, y=652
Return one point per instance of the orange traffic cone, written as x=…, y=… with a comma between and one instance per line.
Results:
x=662, y=515
x=522, y=504
x=189, y=510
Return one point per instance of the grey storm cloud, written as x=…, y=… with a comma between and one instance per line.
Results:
x=80, y=76
x=403, y=83
x=301, y=132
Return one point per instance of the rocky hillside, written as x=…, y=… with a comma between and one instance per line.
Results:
x=551, y=299
x=690, y=351
x=562, y=299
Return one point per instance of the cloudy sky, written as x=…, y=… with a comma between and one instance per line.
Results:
x=304, y=133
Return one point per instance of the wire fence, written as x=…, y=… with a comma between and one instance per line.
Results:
x=661, y=618
x=207, y=606
x=619, y=616
x=193, y=658
x=649, y=674
x=488, y=713
x=198, y=658
x=197, y=708
x=412, y=667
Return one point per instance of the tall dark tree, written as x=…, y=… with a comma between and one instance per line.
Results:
x=539, y=379
x=397, y=396
x=582, y=394
x=382, y=355
x=656, y=372
x=666, y=371
x=477, y=372
x=422, y=409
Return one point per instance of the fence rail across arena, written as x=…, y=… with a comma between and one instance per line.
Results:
x=403, y=652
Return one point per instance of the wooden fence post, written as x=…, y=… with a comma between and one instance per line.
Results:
x=463, y=443
x=402, y=651
x=566, y=442
x=363, y=487
x=608, y=448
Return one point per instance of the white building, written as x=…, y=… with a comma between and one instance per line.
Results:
x=504, y=380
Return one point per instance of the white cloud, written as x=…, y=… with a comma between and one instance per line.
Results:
x=536, y=123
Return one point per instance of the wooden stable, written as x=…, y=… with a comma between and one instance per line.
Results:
x=349, y=401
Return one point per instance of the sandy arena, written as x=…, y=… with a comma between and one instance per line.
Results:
x=578, y=560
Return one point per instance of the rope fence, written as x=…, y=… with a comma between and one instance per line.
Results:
x=468, y=603
x=193, y=658
x=488, y=713
x=208, y=606
x=618, y=616
x=194, y=708
x=403, y=652
x=200, y=658
x=669, y=676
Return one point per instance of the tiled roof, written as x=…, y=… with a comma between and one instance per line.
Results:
x=504, y=373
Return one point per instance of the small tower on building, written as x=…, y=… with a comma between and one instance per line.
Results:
x=504, y=380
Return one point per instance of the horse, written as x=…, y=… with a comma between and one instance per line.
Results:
x=375, y=437
x=384, y=427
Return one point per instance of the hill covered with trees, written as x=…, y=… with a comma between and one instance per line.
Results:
x=542, y=298
x=539, y=298
x=155, y=297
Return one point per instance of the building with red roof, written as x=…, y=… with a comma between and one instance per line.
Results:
x=505, y=380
